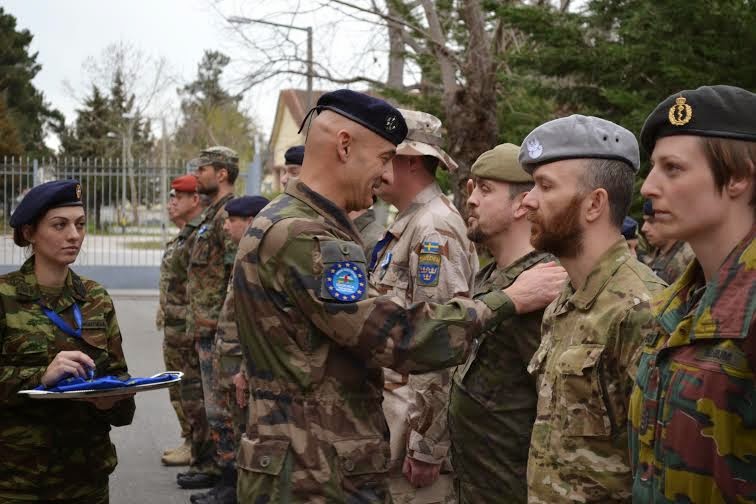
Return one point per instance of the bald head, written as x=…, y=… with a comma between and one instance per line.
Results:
x=344, y=160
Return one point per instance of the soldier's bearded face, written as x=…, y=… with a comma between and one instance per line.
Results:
x=489, y=209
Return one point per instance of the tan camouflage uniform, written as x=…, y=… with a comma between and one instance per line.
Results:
x=316, y=431
x=584, y=368
x=670, y=266
x=53, y=450
x=210, y=262
x=431, y=259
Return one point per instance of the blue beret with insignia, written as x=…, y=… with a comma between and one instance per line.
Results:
x=246, y=206
x=43, y=197
x=709, y=111
x=373, y=113
x=629, y=228
x=294, y=155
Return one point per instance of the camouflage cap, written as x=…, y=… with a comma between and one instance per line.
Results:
x=424, y=138
x=501, y=163
x=216, y=154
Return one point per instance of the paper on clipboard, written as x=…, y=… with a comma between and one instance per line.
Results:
x=116, y=391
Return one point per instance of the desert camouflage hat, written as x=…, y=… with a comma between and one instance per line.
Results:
x=216, y=154
x=424, y=138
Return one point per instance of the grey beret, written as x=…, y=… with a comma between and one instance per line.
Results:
x=577, y=137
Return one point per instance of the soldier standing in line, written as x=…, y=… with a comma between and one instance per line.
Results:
x=314, y=343
x=178, y=349
x=692, y=430
x=583, y=168
x=293, y=159
x=210, y=263
x=424, y=256
x=492, y=404
x=667, y=258
x=225, y=416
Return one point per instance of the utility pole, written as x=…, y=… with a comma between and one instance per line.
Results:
x=308, y=30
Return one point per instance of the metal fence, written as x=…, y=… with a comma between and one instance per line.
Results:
x=127, y=223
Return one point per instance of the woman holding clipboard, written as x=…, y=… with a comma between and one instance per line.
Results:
x=55, y=324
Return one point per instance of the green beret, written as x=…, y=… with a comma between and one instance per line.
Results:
x=500, y=163
x=710, y=111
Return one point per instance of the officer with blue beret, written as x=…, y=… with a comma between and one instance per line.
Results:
x=54, y=325
x=293, y=159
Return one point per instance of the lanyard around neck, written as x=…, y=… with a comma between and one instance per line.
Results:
x=61, y=324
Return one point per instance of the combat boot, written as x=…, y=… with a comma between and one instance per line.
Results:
x=180, y=456
x=224, y=492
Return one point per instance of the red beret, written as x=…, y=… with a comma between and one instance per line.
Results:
x=185, y=183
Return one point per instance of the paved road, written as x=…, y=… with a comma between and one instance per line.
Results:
x=140, y=477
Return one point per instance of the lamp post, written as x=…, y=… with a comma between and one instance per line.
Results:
x=308, y=29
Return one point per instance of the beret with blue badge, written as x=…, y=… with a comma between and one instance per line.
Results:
x=246, y=206
x=373, y=113
x=578, y=137
x=709, y=111
x=294, y=155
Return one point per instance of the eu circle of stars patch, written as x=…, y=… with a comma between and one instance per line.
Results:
x=345, y=281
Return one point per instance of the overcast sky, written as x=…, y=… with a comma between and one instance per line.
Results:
x=67, y=32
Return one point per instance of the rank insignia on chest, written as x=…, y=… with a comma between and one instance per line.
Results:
x=345, y=282
x=428, y=269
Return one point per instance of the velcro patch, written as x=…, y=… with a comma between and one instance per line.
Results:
x=428, y=269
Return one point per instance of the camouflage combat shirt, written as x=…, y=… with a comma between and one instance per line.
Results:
x=671, y=265
x=584, y=368
x=314, y=345
x=210, y=262
x=693, y=410
x=54, y=449
x=493, y=399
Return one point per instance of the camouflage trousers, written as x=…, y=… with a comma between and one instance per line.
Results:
x=225, y=418
x=206, y=447
x=193, y=402
x=99, y=495
x=174, y=358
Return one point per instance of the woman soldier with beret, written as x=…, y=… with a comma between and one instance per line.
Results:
x=693, y=408
x=55, y=324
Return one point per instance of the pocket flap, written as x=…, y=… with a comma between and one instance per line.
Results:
x=266, y=456
x=576, y=359
x=363, y=455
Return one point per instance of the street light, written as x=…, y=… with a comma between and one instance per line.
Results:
x=310, y=72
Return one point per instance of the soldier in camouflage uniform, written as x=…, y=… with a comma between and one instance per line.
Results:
x=210, y=262
x=54, y=324
x=667, y=258
x=424, y=256
x=225, y=416
x=178, y=347
x=313, y=343
x=692, y=429
x=583, y=169
x=493, y=398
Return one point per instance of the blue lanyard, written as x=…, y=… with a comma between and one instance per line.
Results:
x=61, y=324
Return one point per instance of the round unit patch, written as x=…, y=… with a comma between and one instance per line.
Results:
x=345, y=281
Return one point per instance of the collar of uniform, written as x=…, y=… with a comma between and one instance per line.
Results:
x=324, y=207
x=419, y=201
x=617, y=255
x=726, y=307
x=28, y=287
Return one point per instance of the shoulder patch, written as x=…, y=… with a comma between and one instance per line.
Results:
x=428, y=269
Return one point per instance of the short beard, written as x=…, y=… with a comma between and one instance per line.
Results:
x=563, y=237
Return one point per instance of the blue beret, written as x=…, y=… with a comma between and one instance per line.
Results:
x=43, y=197
x=373, y=113
x=710, y=111
x=629, y=228
x=648, y=208
x=294, y=155
x=246, y=206
x=577, y=137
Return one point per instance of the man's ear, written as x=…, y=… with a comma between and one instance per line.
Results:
x=343, y=145
x=597, y=204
